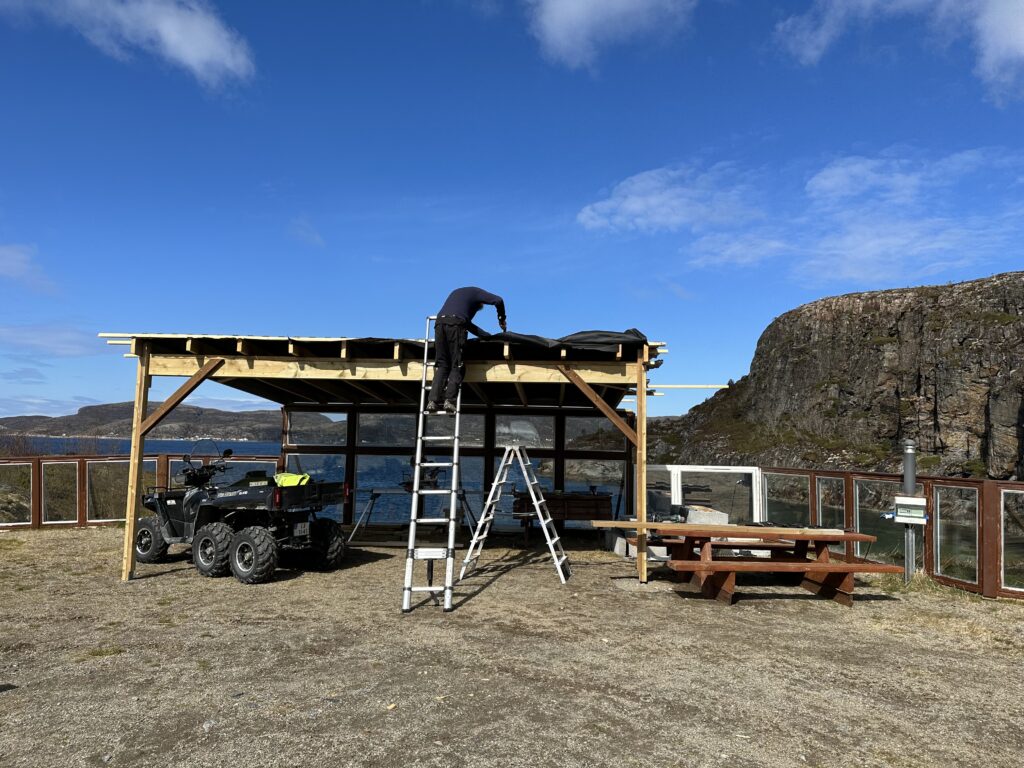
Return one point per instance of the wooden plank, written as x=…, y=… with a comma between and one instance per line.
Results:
x=475, y=388
x=497, y=372
x=765, y=533
x=135, y=464
x=522, y=395
x=599, y=403
x=765, y=565
x=641, y=463
x=180, y=394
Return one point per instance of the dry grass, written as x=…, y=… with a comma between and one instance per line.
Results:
x=321, y=669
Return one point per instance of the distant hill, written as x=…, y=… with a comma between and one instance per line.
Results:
x=185, y=422
x=842, y=381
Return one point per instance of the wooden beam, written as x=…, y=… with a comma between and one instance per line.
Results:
x=641, y=461
x=132, y=503
x=495, y=371
x=601, y=405
x=180, y=394
x=398, y=350
x=480, y=393
x=344, y=349
x=522, y=395
x=243, y=347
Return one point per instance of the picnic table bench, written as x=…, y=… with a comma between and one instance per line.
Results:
x=696, y=554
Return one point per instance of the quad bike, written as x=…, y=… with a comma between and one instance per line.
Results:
x=241, y=528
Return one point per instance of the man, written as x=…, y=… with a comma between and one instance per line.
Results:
x=454, y=320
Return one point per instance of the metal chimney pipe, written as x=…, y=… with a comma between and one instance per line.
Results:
x=909, y=467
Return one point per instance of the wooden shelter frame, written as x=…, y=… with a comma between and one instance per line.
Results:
x=328, y=373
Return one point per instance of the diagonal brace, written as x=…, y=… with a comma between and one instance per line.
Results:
x=180, y=394
x=602, y=406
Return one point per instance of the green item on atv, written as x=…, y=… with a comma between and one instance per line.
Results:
x=289, y=479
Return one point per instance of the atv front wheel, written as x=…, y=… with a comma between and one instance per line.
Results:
x=253, y=555
x=210, y=549
x=327, y=545
x=150, y=546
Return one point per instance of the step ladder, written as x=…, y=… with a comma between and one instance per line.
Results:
x=438, y=444
x=513, y=454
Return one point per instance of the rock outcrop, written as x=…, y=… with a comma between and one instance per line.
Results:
x=841, y=381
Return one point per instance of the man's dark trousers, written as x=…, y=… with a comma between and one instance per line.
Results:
x=449, y=339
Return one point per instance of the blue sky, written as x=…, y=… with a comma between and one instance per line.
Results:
x=692, y=168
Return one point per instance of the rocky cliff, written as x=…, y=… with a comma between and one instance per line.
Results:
x=841, y=381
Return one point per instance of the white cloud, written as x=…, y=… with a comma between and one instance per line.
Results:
x=25, y=375
x=670, y=199
x=187, y=33
x=18, y=262
x=860, y=219
x=574, y=31
x=302, y=229
x=995, y=28
x=54, y=340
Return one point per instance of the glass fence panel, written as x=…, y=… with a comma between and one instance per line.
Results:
x=471, y=480
x=397, y=429
x=384, y=481
x=176, y=473
x=471, y=428
x=309, y=428
x=527, y=431
x=729, y=492
x=15, y=493
x=545, y=471
x=592, y=433
x=659, y=493
x=325, y=467
x=598, y=478
x=872, y=499
x=1013, y=539
x=107, y=487
x=956, y=527
x=787, y=499
x=60, y=492
x=831, y=502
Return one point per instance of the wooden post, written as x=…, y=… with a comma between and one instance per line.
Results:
x=135, y=463
x=641, y=463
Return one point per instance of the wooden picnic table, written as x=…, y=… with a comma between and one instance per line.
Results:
x=696, y=553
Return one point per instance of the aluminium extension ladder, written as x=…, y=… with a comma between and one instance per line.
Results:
x=516, y=453
x=438, y=443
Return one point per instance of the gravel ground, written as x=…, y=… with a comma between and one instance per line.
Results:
x=322, y=669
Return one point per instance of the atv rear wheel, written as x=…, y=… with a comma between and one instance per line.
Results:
x=253, y=555
x=327, y=545
x=210, y=549
x=150, y=546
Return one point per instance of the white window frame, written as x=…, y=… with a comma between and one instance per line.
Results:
x=42, y=494
x=937, y=531
x=1002, y=539
x=31, y=483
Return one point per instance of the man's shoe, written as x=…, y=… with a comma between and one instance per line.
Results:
x=432, y=406
x=449, y=407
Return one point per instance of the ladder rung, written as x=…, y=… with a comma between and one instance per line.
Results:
x=437, y=464
x=427, y=589
x=438, y=437
x=432, y=520
x=562, y=559
x=434, y=491
x=430, y=553
x=556, y=539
